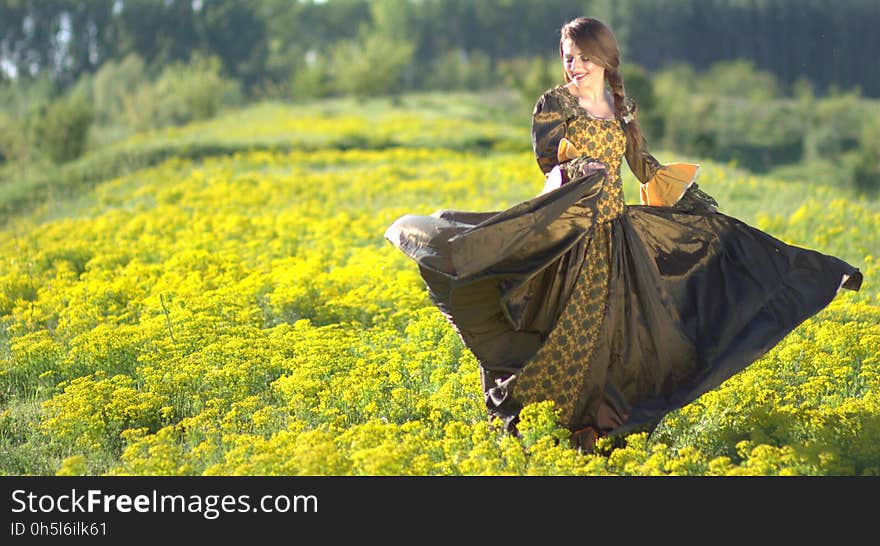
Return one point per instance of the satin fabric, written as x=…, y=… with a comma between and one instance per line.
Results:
x=694, y=296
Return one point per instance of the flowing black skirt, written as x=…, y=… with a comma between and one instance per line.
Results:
x=621, y=321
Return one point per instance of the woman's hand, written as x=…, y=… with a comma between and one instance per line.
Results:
x=555, y=178
x=589, y=167
x=559, y=175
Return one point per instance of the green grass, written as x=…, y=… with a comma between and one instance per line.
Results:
x=470, y=122
x=301, y=337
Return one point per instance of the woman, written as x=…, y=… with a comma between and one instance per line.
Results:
x=619, y=314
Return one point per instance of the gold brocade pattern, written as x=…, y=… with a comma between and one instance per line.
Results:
x=560, y=368
x=600, y=139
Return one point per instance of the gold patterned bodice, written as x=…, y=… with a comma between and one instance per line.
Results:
x=601, y=139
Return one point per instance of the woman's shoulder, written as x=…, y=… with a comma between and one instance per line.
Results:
x=558, y=99
x=552, y=99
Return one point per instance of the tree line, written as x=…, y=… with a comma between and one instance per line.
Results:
x=81, y=75
x=267, y=44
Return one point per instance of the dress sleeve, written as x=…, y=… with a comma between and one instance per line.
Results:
x=548, y=128
x=664, y=185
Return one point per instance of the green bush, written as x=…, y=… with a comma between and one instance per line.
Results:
x=371, y=66
x=757, y=135
x=183, y=92
x=530, y=76
x=728, y=113
x=458, y=69
x=19, y=97
x=194, y=91
x=113, y=85
x=734, y=112
x=866, y=168
x=835, y=126
x=10, y=139
x=61, y=129
x=20, y=100
x=310, y=78
x=675, y=104
x=639, y=86
x=740, y=79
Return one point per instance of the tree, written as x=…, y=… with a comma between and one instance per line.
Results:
x=61, y=129
x=233, y=31
x=373, y=65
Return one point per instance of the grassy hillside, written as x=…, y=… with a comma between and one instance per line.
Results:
x=219, y=299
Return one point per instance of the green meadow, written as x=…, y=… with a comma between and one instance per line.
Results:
x=218, y=299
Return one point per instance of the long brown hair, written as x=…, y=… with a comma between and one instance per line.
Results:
x=595, y=39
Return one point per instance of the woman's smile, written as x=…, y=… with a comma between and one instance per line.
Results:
x=579, y=67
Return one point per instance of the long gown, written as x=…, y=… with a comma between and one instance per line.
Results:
x=618, y=313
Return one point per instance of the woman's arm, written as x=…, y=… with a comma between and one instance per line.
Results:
x=548, y=143
x=662, y=185
x=548, y=129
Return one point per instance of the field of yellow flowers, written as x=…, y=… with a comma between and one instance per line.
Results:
x=241, y=314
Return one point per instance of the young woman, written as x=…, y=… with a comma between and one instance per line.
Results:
x=617, y=313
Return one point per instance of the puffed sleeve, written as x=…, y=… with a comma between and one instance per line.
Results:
x=548, y=128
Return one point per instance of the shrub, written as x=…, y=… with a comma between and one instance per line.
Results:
x=461, y=70
x=835, y=125
x=20, y=102
x=113, y=84
x=866, y=168
x=740, y=79
x=676, y=103
x=639, y=86
x=733, y=115
x=530, y=76
x=372, y=66
x=183, y=92
x=10, y=140
x=19, y=97
x=310, y=77
x=61, y=129
x=194, y=91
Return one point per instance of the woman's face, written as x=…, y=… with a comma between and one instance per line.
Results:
x=578, y=66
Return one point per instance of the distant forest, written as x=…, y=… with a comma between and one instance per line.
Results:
x=785, y=85
x=265, y=43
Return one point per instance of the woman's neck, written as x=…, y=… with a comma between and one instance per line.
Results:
x=593, y=94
